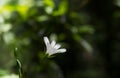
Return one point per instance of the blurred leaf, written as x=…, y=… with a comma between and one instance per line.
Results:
x=6, y=8
x=9, y=37
x=49, y=3
x=9, y=76
x=49, y=6
x=86, y=29
x=117, y=2
x=49, y=10
x=3, y=2
x=62, y=9
x=5, y=27
x=3, y=72
x=87, y=46
x=42, y=18
x=53, y=36
x=22, y=10
x=1, y=19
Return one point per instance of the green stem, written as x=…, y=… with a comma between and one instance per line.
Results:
x=18, y=63
x=20, y=68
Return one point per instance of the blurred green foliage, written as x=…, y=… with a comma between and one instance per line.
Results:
x=88, y=29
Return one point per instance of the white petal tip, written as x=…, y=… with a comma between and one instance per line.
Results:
x=61, y=50
x=46, y=40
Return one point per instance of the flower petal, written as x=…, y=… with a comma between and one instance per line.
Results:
x=57, y=46
x=61, y=50
x=53, y=43
x=46, y=41
x=53, y=48
x=51, y=51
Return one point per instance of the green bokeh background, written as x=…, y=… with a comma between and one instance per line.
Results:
x=88, y=29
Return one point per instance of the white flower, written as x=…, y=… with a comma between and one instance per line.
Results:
x=53, y=48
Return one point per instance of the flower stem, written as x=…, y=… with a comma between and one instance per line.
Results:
x=18, y=63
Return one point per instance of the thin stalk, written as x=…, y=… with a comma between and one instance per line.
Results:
x=18, y=63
